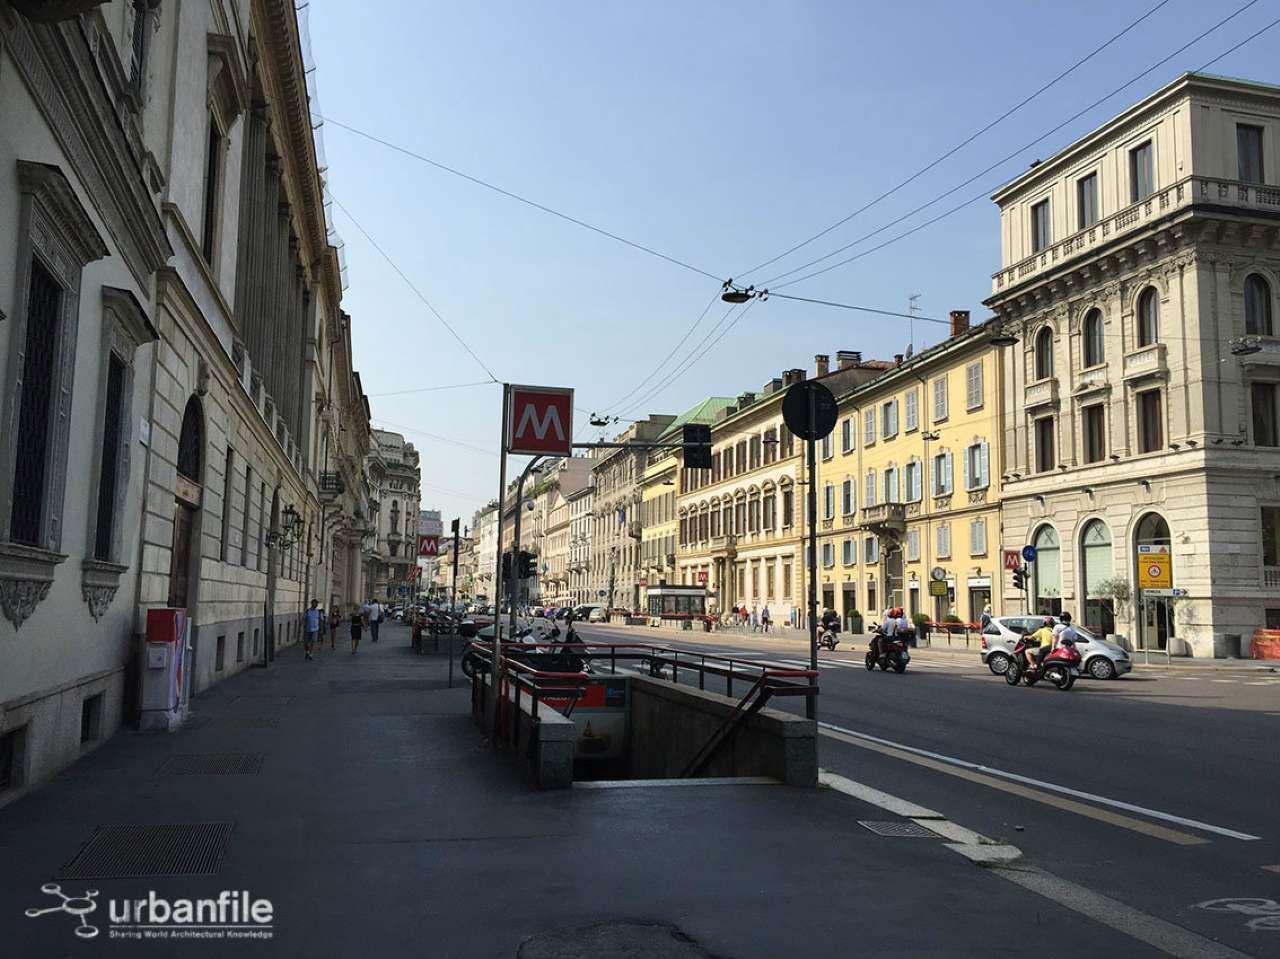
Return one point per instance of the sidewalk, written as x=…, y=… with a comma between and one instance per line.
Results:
x=363, y=804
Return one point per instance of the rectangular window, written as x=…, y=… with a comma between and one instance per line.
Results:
x=1095, y=433
x=847, y=497
x=978, y=537
x=1249, y=153
x=1150, y=422
x=220, y=654
x=786, y=580
x=891, y=491
x=1087, y=201
x=940, y=399
x=768, y=580
x=847, y=555
x=911, y=413
x=973, y=386
x=828, y=555
x=1141, y=172
x=770, y=511
x=1046, y=455
x=1264, y=399
x=108, y=476
x=755, y=452
x=788, y=507
x=212, y=191
x=942, y=474
x=911, y=477
x=244, y=520
x=35, y=426
x=1040, y=226
x=138, y=47
x=944, y=541
x=913, y=545
x=975, y=466
x=1270, y=539
x=826, y=447
x=889, y=419
x=91, y=718
x=828, y=501
x=846, y=434
x=868, y=427
x=869, y=490
x=871, y=550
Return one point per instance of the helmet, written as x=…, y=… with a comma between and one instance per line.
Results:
x=897, y=611
x=1065, y=617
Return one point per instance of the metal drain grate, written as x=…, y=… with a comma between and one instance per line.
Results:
x=212, y=764
x=899, y=829
x=134, y=851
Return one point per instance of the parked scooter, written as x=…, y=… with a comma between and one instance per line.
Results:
x=1061, y=667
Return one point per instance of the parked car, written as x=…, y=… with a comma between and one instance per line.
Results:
x=597, y=614
x=1100, y=659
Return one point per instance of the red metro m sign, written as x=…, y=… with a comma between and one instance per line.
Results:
x=540, y=421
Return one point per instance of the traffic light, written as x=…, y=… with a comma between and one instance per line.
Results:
x=1020, y=578
x=506, y=566
x=697, y=446
x=528, y=565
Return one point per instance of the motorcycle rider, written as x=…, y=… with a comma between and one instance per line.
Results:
x=890, y=627
x=830, y=623
x=1041, y=639
x=1062, y=631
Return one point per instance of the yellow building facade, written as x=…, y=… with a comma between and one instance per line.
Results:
x=909, y=486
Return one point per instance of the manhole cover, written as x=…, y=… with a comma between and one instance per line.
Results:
x=134, y=851
x=212, y=764
x=899, y=829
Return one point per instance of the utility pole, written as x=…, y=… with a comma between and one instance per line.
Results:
x=810, y=705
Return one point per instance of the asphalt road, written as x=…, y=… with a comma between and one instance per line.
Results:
x=1160, y=789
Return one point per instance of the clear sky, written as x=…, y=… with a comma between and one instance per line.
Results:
x=718, y=133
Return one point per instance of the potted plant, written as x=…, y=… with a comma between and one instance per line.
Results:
x=921, y=622
x=854, y=621
x=1113, y=592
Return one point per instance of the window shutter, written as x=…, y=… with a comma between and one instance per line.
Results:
x=868, y=427
x=946, y=465
x=911, y=412
x=968, y=478
x=984, y=464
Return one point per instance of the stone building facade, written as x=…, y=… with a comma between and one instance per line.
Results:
x=170, y=293
x=1140, y=273
x=581, y=525
x=395, y=478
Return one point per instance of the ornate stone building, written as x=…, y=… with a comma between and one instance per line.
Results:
x=395, y=479
x=1139, y=270
x=173, y=357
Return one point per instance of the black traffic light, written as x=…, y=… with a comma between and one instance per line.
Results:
x=506, y=566
x=697, y=446
x=453, y=527
x=528, y=566
x=1020, y=578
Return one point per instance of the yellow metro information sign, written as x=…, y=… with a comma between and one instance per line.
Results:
x=1155, y=567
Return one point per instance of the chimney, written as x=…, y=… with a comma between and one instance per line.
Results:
x=959, y=321
x=848, y=358
x=745, y=400
x=897, y=359
x=823, y=363
x=773, y=386
x=791, y=377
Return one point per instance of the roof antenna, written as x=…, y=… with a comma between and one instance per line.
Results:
x=913, y=307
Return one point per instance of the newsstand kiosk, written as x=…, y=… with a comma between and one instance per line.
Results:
x=164, y=681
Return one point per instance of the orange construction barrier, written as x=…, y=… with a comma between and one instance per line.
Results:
x=1266, y=644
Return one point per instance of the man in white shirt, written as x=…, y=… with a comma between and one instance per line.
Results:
x=375, y=618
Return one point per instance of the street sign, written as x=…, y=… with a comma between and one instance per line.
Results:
x=540, y=421
x=1012, y=559
x=702, y=577
x=795, y=410
x=939, y=587
x=696, y=457
x=644, y=580
x=417, y=571
x=937, y=574
x=602, y=592
x=1160, y=593
x=1155, y=568
x=1029, y=553
x=429, y=546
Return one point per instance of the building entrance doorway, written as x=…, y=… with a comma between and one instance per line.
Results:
x=1155, y=616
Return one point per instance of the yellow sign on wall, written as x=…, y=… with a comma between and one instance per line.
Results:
x=1155, y=567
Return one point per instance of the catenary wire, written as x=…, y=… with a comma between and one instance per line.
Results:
x=522, y=199
x=436, y=436
x=418, y=292
x=433, y=389
x=942, y=196
x=959, y=146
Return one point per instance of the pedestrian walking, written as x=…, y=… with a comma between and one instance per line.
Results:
x=375, y=618
x=311, y=636
x=764, y=619
x=357, y=624
x=754, y=620
x=986, y=616
x=335, y=621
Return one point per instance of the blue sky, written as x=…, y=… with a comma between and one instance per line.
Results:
x=720, y=134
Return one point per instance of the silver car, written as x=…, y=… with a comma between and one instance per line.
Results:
x=1101, y=659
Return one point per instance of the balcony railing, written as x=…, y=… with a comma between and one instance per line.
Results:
x=1043, y=393
x=889, y=516
x=331, y=486
x=1188, y=192
x=1271, y=576
x=1147, y=361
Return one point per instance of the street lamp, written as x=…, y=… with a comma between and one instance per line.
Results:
x=289, y=531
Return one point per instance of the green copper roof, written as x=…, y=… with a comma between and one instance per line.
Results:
x=705, y=412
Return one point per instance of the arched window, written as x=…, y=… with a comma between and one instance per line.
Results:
x=1093, y=354
x=1047, y=572
x=1148, y=317
x=191, y=441
x=1044, y=354
x=1156, y=623
x=1095, y=569
x=1257, y=305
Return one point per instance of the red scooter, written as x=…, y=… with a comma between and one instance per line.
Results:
x=1061, y=667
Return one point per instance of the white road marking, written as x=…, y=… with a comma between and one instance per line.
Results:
x=899, y=807
x=1041, y=784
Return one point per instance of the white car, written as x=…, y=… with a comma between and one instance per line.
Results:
x=1100, y=659
x=596, y=614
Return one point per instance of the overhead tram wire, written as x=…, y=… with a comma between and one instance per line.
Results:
x=522, y=199
x=987, y=192
x=418, y=292
x=433, y=389
x=959, y=146
x=436, y=436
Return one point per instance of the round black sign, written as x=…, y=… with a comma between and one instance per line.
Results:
x=801, y=399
